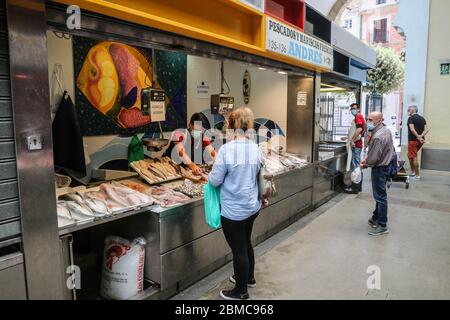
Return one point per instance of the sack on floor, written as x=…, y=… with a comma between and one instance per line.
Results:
x=123, y=268
x=212, y=205
x=356, y=176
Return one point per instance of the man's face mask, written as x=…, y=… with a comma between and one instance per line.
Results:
x=371, y=126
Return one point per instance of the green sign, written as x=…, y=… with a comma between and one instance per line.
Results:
x=445, y=69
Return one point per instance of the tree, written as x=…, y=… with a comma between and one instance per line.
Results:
x=389, y=74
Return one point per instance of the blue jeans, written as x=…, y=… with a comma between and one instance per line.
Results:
x=379, y=179
x=356, y=157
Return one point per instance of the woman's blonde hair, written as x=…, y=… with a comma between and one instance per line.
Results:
x=241, y=119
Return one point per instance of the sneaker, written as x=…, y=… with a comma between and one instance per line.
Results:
x=417, y=178
x=350, y=190
x=412, y=175
x=379, y=231
x=232, y=295
x=373, y=223
x=251, y=283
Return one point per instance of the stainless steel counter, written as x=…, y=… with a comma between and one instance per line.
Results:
x=328, y=173
x=12, y=276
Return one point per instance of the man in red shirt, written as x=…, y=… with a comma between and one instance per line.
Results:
x=357, y=143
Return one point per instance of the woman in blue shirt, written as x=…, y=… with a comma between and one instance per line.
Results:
x=236, y=172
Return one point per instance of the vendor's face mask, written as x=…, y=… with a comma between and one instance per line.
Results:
x=354, y=112
x=196, y=134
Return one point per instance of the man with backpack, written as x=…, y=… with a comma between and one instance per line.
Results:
x=381, y=158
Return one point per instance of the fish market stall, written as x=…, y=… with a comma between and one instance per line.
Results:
x=180, y=247
x=119, y=83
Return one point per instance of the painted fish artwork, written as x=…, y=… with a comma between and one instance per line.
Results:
x=112, y=77
x=109, y=79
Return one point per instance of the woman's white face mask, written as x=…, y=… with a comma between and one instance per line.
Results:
x=196, y=134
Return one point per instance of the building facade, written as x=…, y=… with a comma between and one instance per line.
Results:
x=427, y=82
x=427, y=57
x=373, y=21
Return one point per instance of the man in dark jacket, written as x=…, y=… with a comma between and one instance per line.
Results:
x=379, y=157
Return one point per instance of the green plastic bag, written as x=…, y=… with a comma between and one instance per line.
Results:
x=212, y=205
x=135, y=150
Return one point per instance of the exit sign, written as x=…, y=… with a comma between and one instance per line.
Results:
x=445, y=69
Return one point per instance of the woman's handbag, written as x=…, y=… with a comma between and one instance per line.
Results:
x=212, y=205
x=266, y=184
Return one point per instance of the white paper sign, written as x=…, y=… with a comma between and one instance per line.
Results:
x=202, y=90
x=293, y=43
x=302, y=98
x=158, y=105
x=158, y=111
x=346, y=117
x=317, y=108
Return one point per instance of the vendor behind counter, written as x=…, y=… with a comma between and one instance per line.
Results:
x=189, y=146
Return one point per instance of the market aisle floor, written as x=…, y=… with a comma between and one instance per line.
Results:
x=326, y=254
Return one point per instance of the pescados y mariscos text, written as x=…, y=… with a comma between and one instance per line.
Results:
x=298, y=36
x=299, y=45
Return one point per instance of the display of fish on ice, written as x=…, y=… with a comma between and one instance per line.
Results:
x=112, y=77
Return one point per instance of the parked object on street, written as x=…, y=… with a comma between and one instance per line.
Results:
x=402, y=176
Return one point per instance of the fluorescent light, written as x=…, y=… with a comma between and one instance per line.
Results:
x=333, y=90
x=327, y=85
x=282, y=72
x=261, y=68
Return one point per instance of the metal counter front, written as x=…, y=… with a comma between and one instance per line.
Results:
x=328, y=173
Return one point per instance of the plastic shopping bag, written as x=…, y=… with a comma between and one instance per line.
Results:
x=135, y=150
x=266, y=185
x=356, y=175
x=212, y=205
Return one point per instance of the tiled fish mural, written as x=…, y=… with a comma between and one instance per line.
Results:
x=112, y=77
x=109, y=79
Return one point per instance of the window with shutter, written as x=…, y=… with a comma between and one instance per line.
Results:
x=380, y=31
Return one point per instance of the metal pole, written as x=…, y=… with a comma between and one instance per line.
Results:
x=27, y=27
